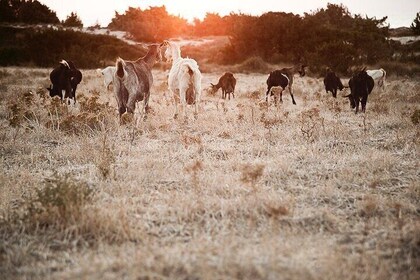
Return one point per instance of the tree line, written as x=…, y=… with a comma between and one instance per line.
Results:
x=330, y=36
x=33, y=12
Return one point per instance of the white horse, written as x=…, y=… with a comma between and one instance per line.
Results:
x=378, y=76
x=184, y=79
x=108, y=74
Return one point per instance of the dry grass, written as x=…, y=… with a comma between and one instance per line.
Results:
x=247, y=191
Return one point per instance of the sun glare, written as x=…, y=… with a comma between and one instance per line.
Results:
x=190, y=10
x=102, y=11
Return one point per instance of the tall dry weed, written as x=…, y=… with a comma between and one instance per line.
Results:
x=59, y=203
x=106, y=158
x=20, y=108
x=194, y=170
x=63, y=209
x=310, y=124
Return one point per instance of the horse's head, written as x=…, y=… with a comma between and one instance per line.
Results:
x=172, y=51
x=168, y=54
x=155, y=51
x=302, y=71
x=213, y=88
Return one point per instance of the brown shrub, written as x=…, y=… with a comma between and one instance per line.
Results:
x=415, y=117
x=188, y=140
x=270, y=122
x=20, y=108
x=253, y=64
x=255, y=95
x=380, y=107
x=273, y=210
x=93, y=115
x=251, y=174
x=310, y=122
x=59, y=203
x=369, y=206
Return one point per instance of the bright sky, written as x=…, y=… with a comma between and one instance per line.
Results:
x=399, y=12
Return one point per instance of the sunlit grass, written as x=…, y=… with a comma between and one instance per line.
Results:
x=247, y=191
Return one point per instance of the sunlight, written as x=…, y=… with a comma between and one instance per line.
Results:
x=102, y=11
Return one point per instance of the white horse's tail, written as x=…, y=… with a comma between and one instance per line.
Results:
x=383, y=78
x=384, y=73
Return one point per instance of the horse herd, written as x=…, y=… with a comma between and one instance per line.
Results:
x=133, y=80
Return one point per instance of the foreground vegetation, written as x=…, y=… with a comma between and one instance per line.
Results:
x=311, y=191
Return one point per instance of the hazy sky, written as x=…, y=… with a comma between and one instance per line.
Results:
x=399, y=12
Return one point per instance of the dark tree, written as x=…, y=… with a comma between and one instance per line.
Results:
x=212, y=24
x=73, y=20
x=415, y=26
x=330, y=36
x=31, y=11
x=7, y=13
x=150, y=25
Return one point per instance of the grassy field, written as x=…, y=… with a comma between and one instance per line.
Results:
x=247, y=191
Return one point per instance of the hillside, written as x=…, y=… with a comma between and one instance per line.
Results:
x=46, y=45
